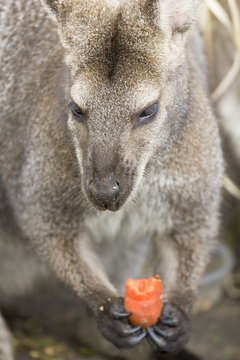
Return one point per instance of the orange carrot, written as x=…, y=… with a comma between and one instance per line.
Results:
x=144, y=299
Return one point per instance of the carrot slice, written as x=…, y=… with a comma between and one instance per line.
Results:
x=144, y=299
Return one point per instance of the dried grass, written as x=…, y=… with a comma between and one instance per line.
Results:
x=231, y=187
x=227, y=12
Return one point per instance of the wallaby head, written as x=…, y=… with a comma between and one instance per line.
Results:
x=129, y=86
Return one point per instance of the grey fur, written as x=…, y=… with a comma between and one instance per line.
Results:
x=6, y=351
x=119, y=57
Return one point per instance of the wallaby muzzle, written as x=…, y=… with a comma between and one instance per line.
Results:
x=104, y=193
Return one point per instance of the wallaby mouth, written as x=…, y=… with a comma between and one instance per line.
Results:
x=105, y=194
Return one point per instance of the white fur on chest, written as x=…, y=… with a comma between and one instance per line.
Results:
x=122, y=244
x=123, y=240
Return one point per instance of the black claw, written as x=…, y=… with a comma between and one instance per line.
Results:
x=169, y=322
x=154, y=346
x=159, y=331
x=134, y=340
x=132, y=330
x=160, y=342
x=167, y=334
x=119, y=315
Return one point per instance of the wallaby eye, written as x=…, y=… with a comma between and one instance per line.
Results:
x=147, y=114
x=76, y=110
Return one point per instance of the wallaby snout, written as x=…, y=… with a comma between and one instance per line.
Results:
x=104, y=193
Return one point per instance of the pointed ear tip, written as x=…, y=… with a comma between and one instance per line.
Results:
x=51, y=7
x=51, y=4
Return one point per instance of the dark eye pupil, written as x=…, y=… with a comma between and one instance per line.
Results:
x=149, y=112
x=76, y=110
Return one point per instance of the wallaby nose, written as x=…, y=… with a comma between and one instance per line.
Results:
x=104, y=192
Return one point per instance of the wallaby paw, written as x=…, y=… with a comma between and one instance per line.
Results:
x=171, y=332
x=114, y=326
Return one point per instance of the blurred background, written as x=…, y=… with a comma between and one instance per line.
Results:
x=216, y=329
x=45, y=321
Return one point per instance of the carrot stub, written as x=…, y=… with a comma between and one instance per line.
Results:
x=144, y=299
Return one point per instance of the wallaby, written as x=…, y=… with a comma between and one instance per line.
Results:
x=111, y=162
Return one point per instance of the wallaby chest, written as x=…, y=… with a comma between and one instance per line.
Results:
x=124, y=240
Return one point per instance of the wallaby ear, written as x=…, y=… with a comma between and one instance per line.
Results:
x=175, y=15
x=52, y=6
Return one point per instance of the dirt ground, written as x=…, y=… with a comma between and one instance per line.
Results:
x=40, y=332
x=216, y=333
